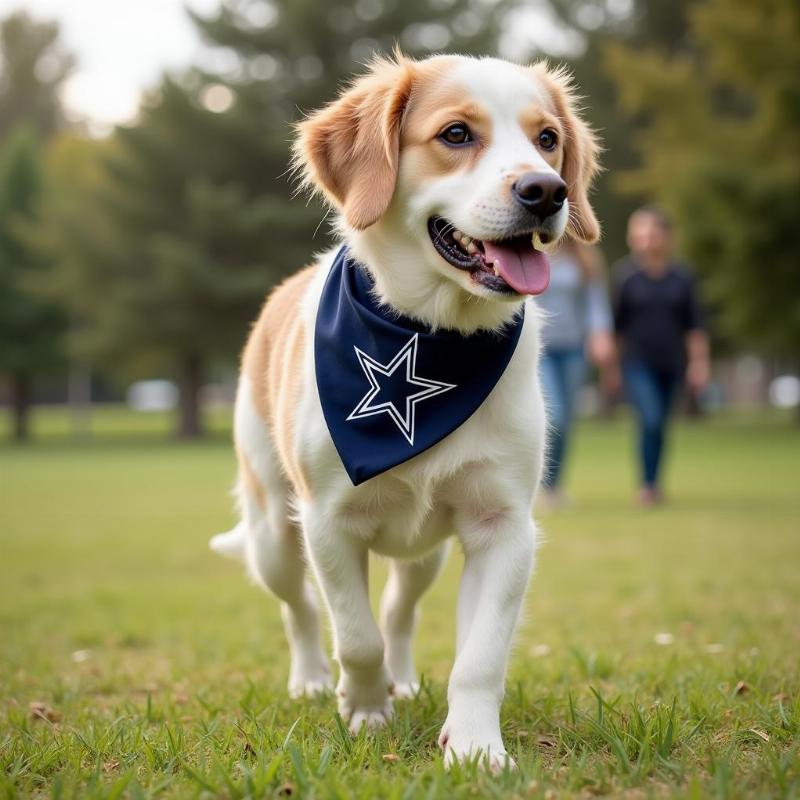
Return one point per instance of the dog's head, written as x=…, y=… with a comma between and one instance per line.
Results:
x=443, y=171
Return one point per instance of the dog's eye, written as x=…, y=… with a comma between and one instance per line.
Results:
x=456, y=134
x=548, y=139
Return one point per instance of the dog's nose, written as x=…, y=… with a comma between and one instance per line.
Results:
x=543, y=195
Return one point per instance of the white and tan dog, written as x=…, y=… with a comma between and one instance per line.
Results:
x=441, y=172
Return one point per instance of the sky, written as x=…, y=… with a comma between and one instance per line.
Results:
x=122, y=47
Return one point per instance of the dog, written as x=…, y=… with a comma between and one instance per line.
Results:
x=442, y=172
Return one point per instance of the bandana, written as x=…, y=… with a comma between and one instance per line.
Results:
x=390, y=388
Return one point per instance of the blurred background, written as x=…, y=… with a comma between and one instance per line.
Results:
x=145, y=208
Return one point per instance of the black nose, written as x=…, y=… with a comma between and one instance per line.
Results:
x=543, y=195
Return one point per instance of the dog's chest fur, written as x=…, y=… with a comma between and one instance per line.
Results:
x=472, y=477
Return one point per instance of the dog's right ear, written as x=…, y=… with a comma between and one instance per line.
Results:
x=349, y=150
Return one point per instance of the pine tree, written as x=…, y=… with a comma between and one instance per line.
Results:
x=659, y=25
x=30, y=326
x=720, y=150
x=33, y=67
x=195, y=218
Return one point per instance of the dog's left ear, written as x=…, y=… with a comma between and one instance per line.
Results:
x=581, y=151
x=350, y=149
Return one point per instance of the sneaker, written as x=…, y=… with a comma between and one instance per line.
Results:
x=649, y=497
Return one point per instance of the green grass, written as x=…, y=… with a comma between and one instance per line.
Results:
x=164, y=672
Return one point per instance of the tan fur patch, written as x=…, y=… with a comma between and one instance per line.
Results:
x=273, y=362
x=250, y=481
x=350, y=149
x=533, y=119
x=435, y=103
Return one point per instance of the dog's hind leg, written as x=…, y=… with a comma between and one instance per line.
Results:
x=273, y=548
x=408, y=581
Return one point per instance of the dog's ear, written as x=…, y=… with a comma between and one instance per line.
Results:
x=349, y=150
x=581, y=151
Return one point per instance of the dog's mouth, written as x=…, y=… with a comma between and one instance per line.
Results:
x=509, y=266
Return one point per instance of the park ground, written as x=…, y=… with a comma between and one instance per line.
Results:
x=659, y=655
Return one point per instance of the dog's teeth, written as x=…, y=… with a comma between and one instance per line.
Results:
x=472, y=248
x=457, y=235
x=496, y=271
x=466, y=240
x=547, y=245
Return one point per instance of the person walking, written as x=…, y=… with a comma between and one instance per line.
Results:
x=661, y=336
x=578, y=325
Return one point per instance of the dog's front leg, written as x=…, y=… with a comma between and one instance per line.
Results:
x=340, y=562
x=498, y=562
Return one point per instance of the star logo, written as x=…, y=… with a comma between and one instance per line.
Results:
x=395, y=388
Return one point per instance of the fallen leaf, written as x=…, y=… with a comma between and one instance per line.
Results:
x=664, y=638
x=391, y=758
x=110, y=766
x=43, y=711
x=742, y=688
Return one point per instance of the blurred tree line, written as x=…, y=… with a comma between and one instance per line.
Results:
x=152, y=249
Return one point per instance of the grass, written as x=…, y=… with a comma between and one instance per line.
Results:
x=658, y=656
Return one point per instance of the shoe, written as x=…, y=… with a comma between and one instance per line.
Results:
x=649, y=497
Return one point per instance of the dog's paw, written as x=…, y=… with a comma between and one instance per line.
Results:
x=405, y=689
x=373, y=715
x=365, y=702
x=310, y=677
x=369, y=717
x=488, y=752
x=312, y=687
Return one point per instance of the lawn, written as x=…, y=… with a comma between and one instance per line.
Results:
x=659, y=656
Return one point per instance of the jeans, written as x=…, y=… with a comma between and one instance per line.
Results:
x=561, y=373
x=650, y=392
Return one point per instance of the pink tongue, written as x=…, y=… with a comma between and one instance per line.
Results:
x=524, y=269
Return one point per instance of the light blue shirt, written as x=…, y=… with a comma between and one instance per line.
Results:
x=573, y=306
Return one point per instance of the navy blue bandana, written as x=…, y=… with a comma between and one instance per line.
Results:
x=389, y=388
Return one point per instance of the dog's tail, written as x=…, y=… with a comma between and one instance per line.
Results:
x=230, y=544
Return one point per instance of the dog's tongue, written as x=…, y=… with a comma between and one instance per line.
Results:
x=523, y=268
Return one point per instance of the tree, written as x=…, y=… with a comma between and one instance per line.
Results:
x=719, y=146
x=30, y=327
x=193, y=218
x=33, y=67
x=659, y=25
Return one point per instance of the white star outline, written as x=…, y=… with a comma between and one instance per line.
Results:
x=430, y=388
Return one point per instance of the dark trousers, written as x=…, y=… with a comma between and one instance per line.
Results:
x=651, y=392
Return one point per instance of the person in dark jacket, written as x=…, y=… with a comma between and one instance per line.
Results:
x=662, y=341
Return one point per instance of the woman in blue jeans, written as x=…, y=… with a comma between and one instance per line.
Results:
x=577, y=324
x=661, y=336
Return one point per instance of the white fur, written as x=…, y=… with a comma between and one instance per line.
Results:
x=477, y=484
